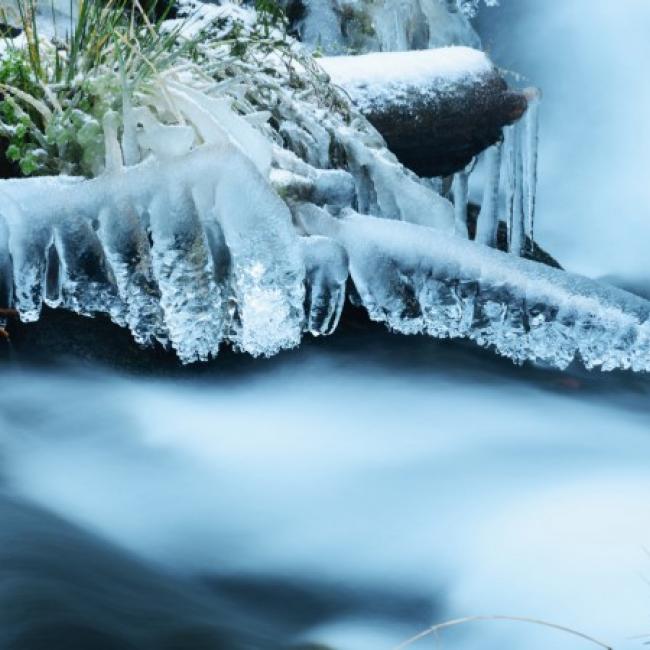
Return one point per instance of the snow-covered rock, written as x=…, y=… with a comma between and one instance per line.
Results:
x=384, y=77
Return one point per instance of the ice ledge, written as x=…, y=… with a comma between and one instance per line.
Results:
x=421, y=281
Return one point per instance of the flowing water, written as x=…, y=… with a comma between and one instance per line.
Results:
x=364, y=486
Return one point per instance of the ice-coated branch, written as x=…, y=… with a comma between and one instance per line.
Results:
x=150, y=244
x=419, y=280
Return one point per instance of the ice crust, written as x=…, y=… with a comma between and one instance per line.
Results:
x=174, y=249
x=422, y=281
x=198, y=220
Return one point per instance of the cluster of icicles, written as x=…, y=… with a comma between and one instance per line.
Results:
x=510, y=170
x=208, y=232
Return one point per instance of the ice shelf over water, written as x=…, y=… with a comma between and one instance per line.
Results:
x=423, y=281
x=172, y=249
x=339, y=26
x=176, y=251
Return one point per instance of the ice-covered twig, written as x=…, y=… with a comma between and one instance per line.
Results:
x=420, y=280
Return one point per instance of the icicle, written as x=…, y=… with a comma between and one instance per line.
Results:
x=529, y=152
x=28, y=240
x=191, y=301
x=488, y=219
x=514, y=189
x=326, y=264
x=129, y=129
x=53, y=297
x=460, y=192
x=128, y=253
x=87, y=283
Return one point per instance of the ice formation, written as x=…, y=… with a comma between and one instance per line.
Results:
x=420, y=280
x=339, y=26
x=172, y=248
x=510, y=170
x=239, y=202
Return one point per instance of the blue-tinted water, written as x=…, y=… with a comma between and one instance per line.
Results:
x=348, y=493
x=356, y=490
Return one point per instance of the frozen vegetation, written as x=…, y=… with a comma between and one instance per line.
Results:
x=236, y=194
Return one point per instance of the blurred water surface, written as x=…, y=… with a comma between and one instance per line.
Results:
x=350, y=493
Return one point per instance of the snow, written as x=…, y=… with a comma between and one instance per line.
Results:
x=414, y=68
x=372, y=78
x=205, y=14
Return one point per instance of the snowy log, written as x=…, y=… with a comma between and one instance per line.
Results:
x=436, y=109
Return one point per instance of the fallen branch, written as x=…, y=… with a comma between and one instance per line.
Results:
x=434, y=629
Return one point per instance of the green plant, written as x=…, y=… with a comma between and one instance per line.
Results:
x=55, y=93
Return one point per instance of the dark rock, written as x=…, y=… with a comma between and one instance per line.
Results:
x=532, y=250
x=439, y=133
x=9, y=31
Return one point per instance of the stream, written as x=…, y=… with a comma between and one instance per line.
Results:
x=352, y=492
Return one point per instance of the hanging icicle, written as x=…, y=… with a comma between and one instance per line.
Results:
x=514, y=199
x=460, y=191
x=511, y=167
x=530, y=145
x=488, y=219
